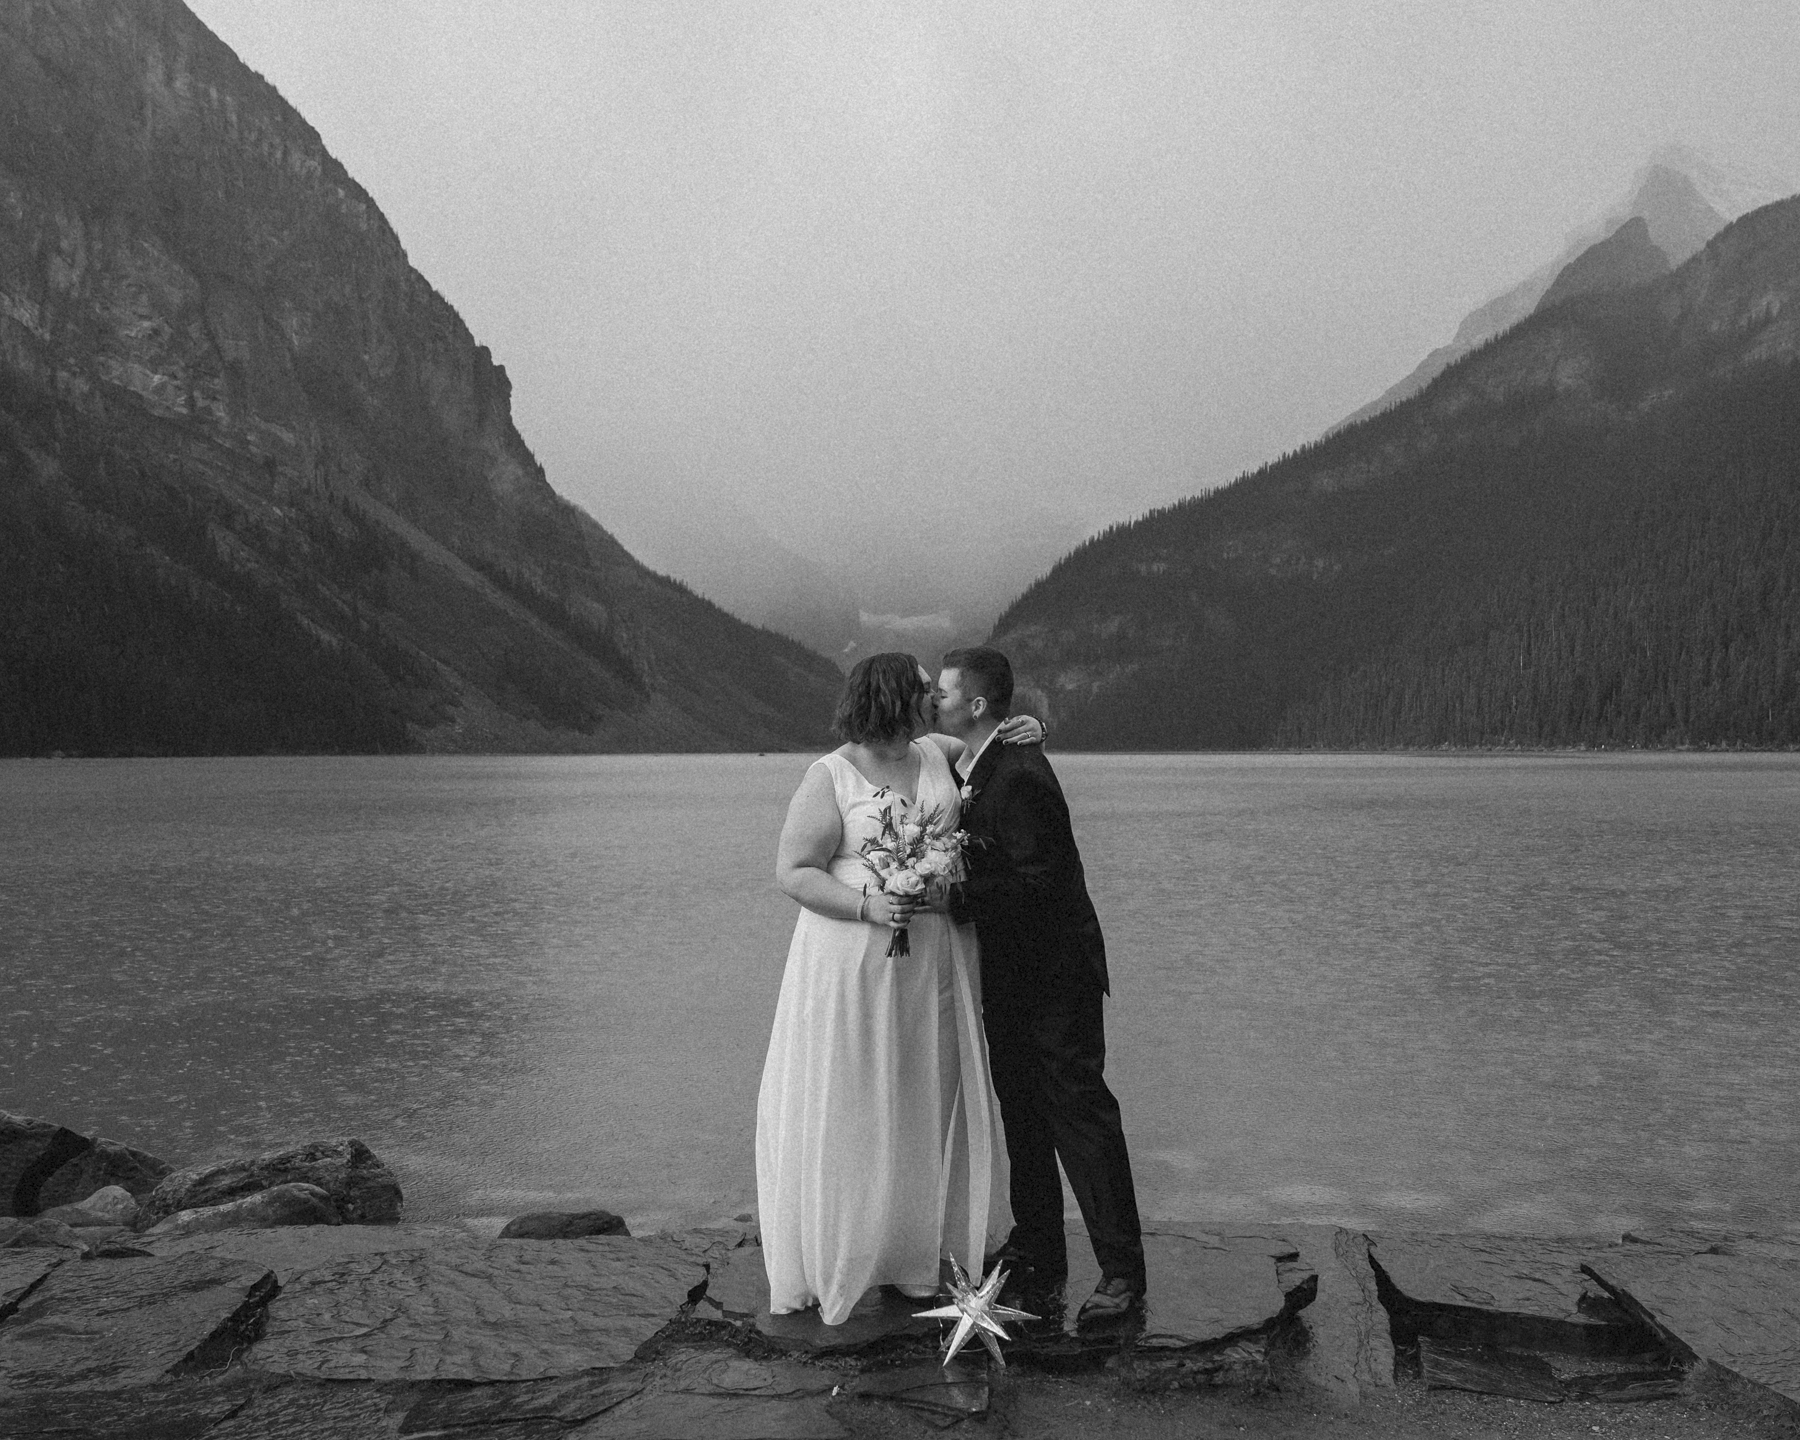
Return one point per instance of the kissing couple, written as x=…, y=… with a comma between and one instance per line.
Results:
x=914, y=1105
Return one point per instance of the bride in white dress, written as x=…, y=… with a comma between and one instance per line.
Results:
x=878, y=1139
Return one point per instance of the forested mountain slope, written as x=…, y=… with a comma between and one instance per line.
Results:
x=259, y=487
x=1585, y=533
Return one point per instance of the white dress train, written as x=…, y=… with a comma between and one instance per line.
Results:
x=878, y=1139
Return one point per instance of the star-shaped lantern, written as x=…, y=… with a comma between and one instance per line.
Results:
x=975, y=1313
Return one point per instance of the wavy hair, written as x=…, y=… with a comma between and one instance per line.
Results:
x=878, y=699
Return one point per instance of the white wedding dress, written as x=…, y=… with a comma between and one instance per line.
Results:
x=878, y=1139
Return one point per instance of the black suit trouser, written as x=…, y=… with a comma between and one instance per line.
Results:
x=1047, y=1047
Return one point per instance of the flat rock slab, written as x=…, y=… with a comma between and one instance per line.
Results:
x=1492, y=1372
x=1206, y=1286
x=317, y=1412
x=1716, y=1242
x=121, y=1324
x=1350, y=1346
x=717, y=1371
x=957, y=1391
x=1501, y=1289
x=292, y=1250
x=566, y=1401
x=711, y=1242
x=488, y=1310
x=178, y=1411
x=1739, y=1312
x=22, y=1269
x=880, y=1316
x=737, y=1286
x=1626, y=1385
x=675, y=1416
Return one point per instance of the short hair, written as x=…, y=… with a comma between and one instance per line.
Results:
x=878, y=699
x=992, y=673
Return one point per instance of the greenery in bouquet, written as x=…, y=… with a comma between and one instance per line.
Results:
x=914, y=853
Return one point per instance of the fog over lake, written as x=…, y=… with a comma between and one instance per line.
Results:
x=1532, y=993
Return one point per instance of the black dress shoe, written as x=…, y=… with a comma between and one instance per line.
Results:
x=1114, y=1301
x=1022, y=1267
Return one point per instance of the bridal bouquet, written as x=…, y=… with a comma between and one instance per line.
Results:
x=909, y=854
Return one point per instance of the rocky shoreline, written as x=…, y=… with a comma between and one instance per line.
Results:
x=283, y=1294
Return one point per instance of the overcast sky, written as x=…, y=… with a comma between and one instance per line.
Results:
x=1078, y=259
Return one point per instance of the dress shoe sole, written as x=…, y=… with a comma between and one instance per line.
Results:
x=1101, y=1317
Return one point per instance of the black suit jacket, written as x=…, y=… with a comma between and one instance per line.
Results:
x=1025, y=890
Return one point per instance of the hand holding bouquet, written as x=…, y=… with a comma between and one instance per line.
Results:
x=910, y=854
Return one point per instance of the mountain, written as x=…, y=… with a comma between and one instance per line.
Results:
x=1625, y=258
x=1683, y=198
x=260, y=489
x=1586, y=532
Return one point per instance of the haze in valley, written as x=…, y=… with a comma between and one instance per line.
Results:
x=855, y=317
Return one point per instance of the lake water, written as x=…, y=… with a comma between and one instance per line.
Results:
x=1531, y=993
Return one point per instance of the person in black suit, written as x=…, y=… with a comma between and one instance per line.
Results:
x=1043, y=976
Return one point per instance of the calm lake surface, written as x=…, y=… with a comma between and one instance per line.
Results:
x=1541, y=993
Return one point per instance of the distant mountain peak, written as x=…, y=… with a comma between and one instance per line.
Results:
x=1683, y=196
x=1624, y=258
x=1732, y=189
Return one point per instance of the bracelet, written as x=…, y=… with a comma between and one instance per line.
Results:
x=862, y=905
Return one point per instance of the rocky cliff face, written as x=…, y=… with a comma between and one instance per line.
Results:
x=225, y=389
x=1586, y=532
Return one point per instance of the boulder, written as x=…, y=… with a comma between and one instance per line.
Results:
x=363, y=1189
x=293, y=1204
x=113, y=1205
x=43, y=1164
x=563, y=1225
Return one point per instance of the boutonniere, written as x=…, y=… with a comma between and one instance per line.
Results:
x=968, y=794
